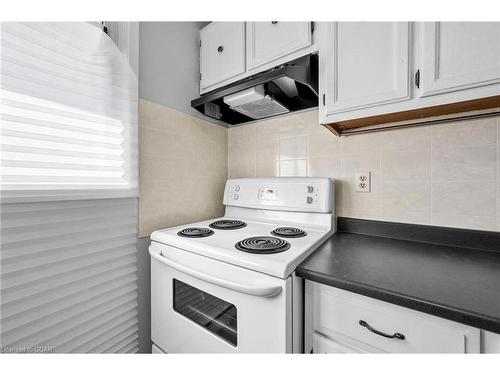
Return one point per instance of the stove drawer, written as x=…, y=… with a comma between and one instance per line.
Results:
x=377, y=326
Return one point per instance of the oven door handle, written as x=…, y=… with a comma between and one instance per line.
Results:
x=259, y=291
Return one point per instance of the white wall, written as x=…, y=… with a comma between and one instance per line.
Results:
x=169, y=63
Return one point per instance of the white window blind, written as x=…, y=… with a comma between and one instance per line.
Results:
x=68, y=110
x=69, y=276
x=68, y=138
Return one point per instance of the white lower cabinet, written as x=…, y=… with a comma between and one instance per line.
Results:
x=338, y=321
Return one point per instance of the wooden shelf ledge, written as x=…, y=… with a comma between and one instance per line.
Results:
x=420, y=116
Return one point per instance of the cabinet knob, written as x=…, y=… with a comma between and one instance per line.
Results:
x=220, y=49
x=274, y=22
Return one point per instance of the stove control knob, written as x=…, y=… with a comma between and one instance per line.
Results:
x=236, y=197
x=310, y=189
x=236, y=187
x=309, y=200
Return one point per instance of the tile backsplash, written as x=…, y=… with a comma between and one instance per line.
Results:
x=444, y=174
x=441, y=174
x=182, y=168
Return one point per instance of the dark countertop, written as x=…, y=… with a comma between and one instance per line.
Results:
x=430, y=269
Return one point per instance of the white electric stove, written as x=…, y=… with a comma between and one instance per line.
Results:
x=227, y=285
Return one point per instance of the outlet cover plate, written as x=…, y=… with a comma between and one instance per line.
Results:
x=362, y=182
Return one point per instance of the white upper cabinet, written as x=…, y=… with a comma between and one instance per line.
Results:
x=459, y=56
x=269, y=41
x=364, y=64
x=222, y=52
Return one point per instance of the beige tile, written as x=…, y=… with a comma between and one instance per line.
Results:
x=464, y=163
x=401, y=198
x=406, y=166
x=323, y=145
x=292, y=126
x=311, y=121
x=241, y=165
x=360, y=213
x=151, y=220
x=350, y=164
x=293, y=148
x=475, y=198
x=465, y=133
x=357, y=200
x=159, y=117
x=267, y=129
x=152, y=142
x=297, y=167
x=465, y=221
x=406, y=140
x=266, y=168
x=410, y=217
x=324, y=167
x=183, y=167
x=267, y=147
x=360, y=144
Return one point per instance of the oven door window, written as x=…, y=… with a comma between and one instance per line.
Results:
x=210, y=312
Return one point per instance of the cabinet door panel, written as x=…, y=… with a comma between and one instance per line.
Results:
x=222, y=52
x=459, y=55
x=367, y=64
x=268, y=41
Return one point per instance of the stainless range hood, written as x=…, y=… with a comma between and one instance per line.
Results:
x=287, y=88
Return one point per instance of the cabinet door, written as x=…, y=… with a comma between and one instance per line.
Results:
x=222, y=52
x=366, y=65
x=268, y=41
x=459, y=55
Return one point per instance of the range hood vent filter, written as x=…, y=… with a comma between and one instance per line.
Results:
x=254, y=103
x=265, y=107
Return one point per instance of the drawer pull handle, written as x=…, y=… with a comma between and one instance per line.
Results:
x=396, y=335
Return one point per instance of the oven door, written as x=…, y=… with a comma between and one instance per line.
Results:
x=200, y=305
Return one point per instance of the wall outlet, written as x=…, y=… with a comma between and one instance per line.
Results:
x=362, y=181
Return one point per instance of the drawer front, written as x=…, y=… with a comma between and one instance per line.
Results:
x=323, y=345
x=338, y=313
x=268, y=41
x=222, y=52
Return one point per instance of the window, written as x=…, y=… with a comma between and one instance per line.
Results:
x=68, y=266
x=68, y=110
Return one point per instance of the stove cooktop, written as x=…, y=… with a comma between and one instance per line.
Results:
x=254, y=245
